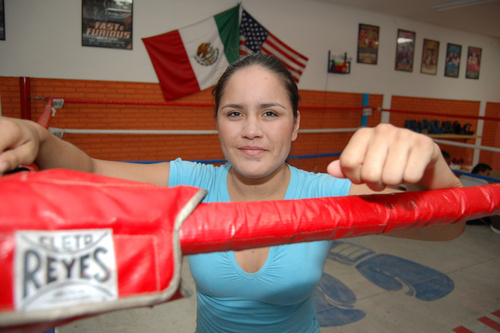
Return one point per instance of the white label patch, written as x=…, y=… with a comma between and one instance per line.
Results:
x=56, y=269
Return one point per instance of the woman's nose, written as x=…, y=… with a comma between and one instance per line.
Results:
x=251, y=129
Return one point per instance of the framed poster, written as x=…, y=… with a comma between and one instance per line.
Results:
x=405, y=48
x=452, y=63
x=107, y=23
x=2, y=21
x=430, y=54
x=473, y=62
x=368, y=38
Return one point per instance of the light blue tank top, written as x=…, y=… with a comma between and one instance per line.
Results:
x=277, y=298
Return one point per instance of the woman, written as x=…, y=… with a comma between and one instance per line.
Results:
x=268, y=289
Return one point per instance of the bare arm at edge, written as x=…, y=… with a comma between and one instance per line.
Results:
x=25, y=142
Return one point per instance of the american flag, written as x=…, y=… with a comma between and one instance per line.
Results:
x=254, y=38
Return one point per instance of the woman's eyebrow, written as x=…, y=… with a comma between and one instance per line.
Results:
x=233, y=106
x=270, y=105
x=260, y=106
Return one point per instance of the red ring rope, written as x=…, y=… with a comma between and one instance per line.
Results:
x=181, y=104
x=224, y=226
x=234, y=226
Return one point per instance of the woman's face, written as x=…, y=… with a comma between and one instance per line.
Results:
x=255, y=122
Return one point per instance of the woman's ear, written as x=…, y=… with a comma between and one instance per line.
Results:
x=296, y=126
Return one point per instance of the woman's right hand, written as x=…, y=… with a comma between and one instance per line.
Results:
x=23, y=142
x=19, y=142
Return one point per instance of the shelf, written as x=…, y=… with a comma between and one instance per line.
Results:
x=339, y=67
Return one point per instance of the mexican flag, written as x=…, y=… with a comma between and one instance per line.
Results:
x=188, y=60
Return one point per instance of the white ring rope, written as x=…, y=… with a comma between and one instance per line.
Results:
x=60, y=131
x=329, y=130
x=467, y=145
x=133, y=132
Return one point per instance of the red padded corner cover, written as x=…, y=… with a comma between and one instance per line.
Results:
x=73, y=244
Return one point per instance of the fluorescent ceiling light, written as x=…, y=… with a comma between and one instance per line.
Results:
x=457, y=4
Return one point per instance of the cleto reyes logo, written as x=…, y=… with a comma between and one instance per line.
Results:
x=55, y=269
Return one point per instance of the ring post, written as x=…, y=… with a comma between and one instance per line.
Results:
x=365, y=103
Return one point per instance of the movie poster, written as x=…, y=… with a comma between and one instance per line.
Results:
x=107, y=23
x=405, y=48
x=452, y=63
x=473, y=63
x=430, y=55
x=368, y=44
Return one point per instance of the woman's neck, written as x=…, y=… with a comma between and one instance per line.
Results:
x=272, y=187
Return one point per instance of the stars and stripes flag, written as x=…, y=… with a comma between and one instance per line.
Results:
x=254, y=38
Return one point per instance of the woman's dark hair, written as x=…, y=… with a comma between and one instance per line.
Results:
x=268, y=62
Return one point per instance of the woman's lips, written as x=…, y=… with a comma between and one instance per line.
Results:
x=252, y=150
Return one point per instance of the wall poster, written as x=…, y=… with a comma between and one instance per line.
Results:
x=368, y=38
x=405, y=48
x=473, y=63
x=452, y=63
x=107, y=23
x=430, y=55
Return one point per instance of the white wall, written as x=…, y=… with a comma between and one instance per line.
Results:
x=43, y=39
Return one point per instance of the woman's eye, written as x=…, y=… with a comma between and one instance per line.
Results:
x=270, y=114
x=233, y=114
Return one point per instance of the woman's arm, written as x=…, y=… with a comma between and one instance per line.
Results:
x=25, y=142
x=376, y=158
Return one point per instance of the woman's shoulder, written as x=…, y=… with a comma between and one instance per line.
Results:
x=307, y=184
x=195, y=173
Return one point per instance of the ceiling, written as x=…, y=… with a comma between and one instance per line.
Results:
x=480, y=16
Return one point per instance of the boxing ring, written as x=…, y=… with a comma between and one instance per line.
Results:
x=120, y=243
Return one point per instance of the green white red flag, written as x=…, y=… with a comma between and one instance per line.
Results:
x=187, y=60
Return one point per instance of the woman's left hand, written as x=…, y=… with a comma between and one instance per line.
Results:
x=390, y=156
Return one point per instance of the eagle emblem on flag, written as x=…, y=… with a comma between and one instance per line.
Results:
x=206, y=54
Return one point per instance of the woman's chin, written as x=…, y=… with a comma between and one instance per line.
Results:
x=254, y=171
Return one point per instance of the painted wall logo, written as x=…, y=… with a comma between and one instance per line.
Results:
x=63, y=268
x=206, y=54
